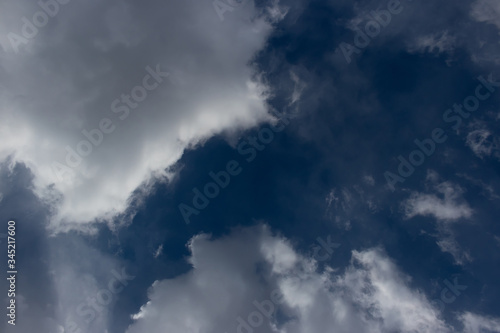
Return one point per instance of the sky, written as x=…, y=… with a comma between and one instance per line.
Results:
x=281, y=166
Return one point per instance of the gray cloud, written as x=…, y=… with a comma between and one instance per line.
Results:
x=66, y=78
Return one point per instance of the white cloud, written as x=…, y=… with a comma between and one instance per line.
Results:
x=232, y=274
x=474, y=323
x=449, y=207
x=66, y=78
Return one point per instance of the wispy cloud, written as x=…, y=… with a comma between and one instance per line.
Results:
x=446, y=205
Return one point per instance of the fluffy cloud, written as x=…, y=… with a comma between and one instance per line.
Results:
x=234, y=276
x=66, y=78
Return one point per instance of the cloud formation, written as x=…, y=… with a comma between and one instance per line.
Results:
x=448, y=206
x=486, y=11
x=254, y=281
x=73, y=78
